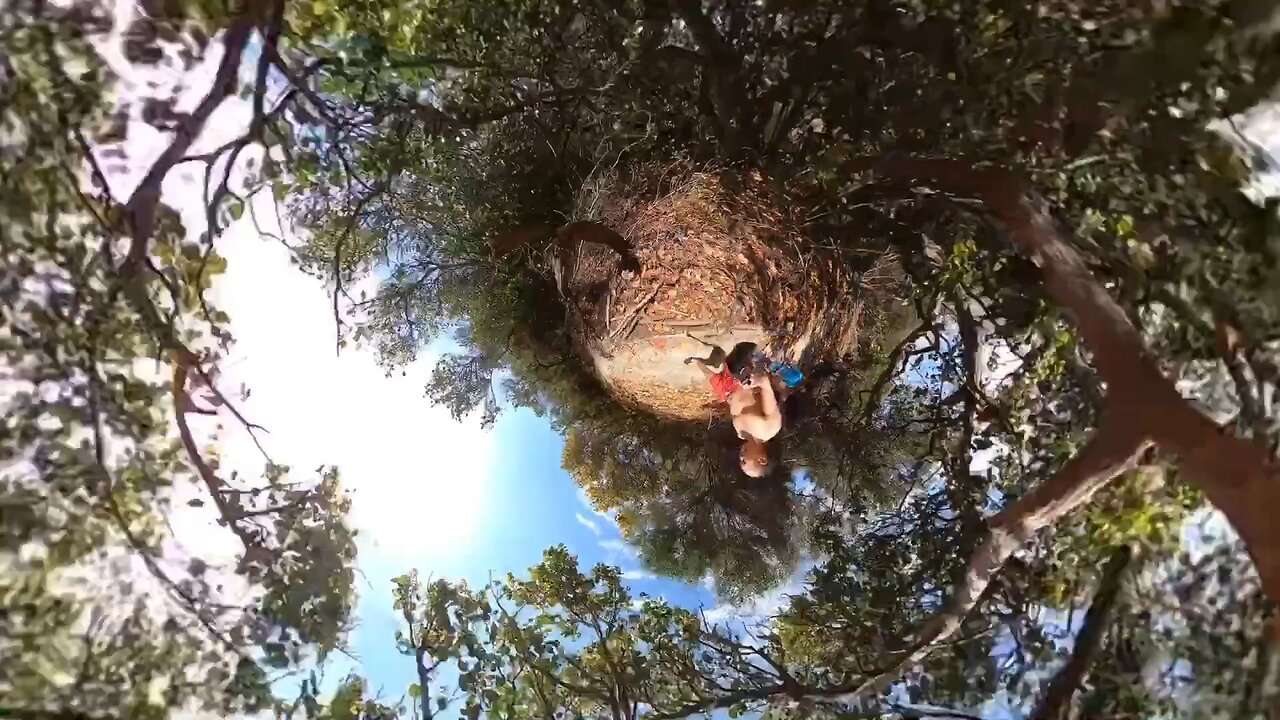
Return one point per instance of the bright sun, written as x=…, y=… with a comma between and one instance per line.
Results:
x=417, y=478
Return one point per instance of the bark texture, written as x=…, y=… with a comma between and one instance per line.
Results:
x=1238, y=475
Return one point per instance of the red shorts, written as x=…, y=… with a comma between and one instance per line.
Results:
x=724, y=384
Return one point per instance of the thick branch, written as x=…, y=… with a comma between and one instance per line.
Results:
x=1056, y=702
x=702, y=29
x=1114, y=448
x=502, y=245
x=1227, y=338
x=206, y=473
x=300, y=83
x=963, y=457
x=424, y=680
x=720, y=73
x=143, y=203
x=1237, y=475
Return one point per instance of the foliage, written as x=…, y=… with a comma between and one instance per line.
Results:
x=103, y=296
x=568, y=641
x=351, y=701
x=573, y=641
x=404, y=135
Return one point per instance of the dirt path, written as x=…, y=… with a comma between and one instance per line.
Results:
x=650, y=372
x=643, y=364
x=719, y=256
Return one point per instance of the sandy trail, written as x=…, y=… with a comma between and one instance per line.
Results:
x=650, y=371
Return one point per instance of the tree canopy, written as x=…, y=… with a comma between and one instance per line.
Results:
x=110, y=345
x=997, y=488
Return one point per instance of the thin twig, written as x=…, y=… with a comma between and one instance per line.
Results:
x=633, y=316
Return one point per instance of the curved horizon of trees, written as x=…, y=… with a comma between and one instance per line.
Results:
x=1045, y=174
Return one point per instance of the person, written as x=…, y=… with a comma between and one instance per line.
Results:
x=753, y=405
x=787, y=374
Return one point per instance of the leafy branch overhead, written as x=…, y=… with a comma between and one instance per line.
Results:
x=1064, y=318
x=106, y=280
x=999, y=151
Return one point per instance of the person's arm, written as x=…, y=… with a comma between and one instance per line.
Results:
x=781, y=391
x=768, y=401
x=756, y=425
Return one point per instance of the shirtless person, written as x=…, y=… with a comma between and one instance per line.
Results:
x=753, y=406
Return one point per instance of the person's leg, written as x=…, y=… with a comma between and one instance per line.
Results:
x=712, y=361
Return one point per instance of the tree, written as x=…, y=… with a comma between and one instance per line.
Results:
x=102, y=617
x=351, y=702
x=866, y=88
x=1045, y=177
x=565, y=642
x=572, y=642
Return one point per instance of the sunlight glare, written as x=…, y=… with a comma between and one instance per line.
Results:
x=417, y=477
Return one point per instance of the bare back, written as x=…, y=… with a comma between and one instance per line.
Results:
x=755, y=412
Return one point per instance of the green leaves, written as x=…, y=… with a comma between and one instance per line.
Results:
x=98, y=300
x=505, y=643
x=427, y=127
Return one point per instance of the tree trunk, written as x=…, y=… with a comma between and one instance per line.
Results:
x=1056, y=702
x=722, y=75
x=420, y=657
x=1239, y=476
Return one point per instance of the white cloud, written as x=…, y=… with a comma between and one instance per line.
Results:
x=417, y=478
x=759, y=609
x=606, y=515
x=637, y=574
x=619, y=547
x=588, y=523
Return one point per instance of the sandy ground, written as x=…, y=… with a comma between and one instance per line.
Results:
x=650, y=372
x=720, y=257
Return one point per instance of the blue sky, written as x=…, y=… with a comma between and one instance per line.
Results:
x=445, y=497
x=448, y=498
x=533, y=504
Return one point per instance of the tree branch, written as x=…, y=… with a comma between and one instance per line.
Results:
x=205, y=473
x=720, y=73
x=1237, y=475
x=275, y=508
x=1114, y=448
x=891, y=369
x=1055, y=704
x=143, y=203
x=116, y=513
x=1228, y=340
